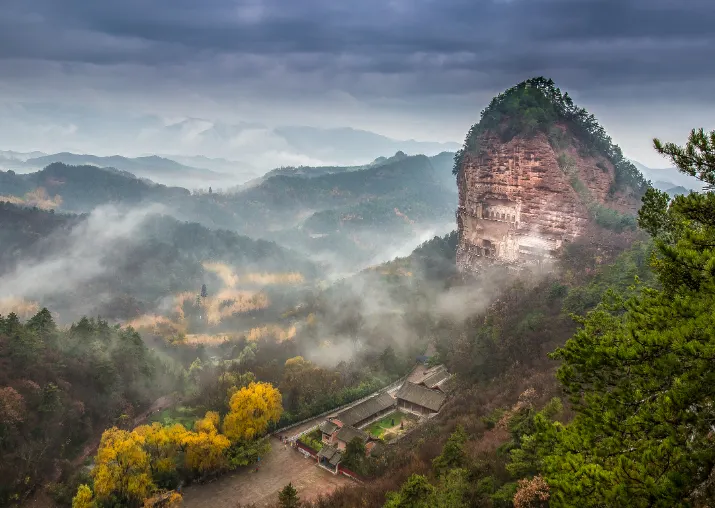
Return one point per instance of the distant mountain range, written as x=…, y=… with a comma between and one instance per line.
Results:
x=238, y=152
x=349, y=215
x=158, y=169
x=237, y=148
x=666, y=179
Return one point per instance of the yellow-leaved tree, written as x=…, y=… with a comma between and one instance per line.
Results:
x=122, y=467
x=251, y=410
x=83, y=498
x=164, y=500
x=205, y=449
x=162, y=444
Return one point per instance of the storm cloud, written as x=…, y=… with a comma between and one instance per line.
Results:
x=377, y=64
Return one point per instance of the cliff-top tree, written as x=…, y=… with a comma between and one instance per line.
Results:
x=534, y=106
x=639, y=372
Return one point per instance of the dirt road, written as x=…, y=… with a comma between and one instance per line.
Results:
x=277, y=469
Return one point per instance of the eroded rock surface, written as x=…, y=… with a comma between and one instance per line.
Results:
x=517, y=201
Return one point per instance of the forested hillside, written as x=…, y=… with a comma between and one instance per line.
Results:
x=586, y=387
x=120, y=263
x=81, y=188
x=360, y=213
x=60, y=388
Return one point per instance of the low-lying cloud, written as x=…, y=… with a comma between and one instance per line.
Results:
x=76, y=257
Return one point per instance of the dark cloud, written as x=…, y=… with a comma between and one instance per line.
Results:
x=336, y=56
x=614, y=40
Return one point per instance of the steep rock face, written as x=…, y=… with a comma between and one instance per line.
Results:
x=518, y=203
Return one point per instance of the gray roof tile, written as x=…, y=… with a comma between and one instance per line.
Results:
x=416, y=394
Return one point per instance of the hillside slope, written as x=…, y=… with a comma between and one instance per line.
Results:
x=120, y=263
x=81, y=188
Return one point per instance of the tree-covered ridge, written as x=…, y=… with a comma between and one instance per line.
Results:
x=59, y=388
x=535, y=106
x=84, y=187
x=158, y=257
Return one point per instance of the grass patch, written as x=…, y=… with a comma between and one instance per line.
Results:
x=378, y=428
x=186, y=416
x=313, y=440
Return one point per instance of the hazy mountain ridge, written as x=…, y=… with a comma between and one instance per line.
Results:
x=81, y=188
x=668, y=178
x=112, y=253
x=401, y=197
x=153, y=167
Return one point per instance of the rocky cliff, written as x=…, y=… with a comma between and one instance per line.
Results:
x=528, y=185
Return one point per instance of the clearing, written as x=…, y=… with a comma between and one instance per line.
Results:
x=261, y=488
x=390, y=423
x=177, y=414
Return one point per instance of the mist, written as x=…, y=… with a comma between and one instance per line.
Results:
x=79, y=256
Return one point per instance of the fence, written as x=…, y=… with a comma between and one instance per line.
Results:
x=350, y=474
x=305, y=449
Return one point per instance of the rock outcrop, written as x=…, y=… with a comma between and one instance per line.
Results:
x=518, y=201
x=536, y=172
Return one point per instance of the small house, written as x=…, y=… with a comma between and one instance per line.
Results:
x=329, y=457
x=329, y=431
x=347, y=433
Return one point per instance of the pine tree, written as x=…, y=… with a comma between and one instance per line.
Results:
x=452, y=455
x=639, y=370
x=288, y=497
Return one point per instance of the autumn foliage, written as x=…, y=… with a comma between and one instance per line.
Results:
x=131, y=467
x=251, y=410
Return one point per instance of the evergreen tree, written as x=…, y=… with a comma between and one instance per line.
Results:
x=288, y=497
x=639, y=371
x=452, y=455
x=204, y=293
x=416, y=492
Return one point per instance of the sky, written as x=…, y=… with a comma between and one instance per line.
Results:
x=97, y=75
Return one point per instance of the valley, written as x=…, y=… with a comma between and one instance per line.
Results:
x=523, y=322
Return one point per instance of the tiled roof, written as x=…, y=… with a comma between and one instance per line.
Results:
x=327, y=427
x=348, y=433
x=417, y=394
x=328, y=452
x=366, y=409
x=421, y=373
x=436, y=377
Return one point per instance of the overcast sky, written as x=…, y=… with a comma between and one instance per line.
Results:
x=419, y=69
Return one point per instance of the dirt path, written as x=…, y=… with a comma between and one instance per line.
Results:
x=277, y=469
